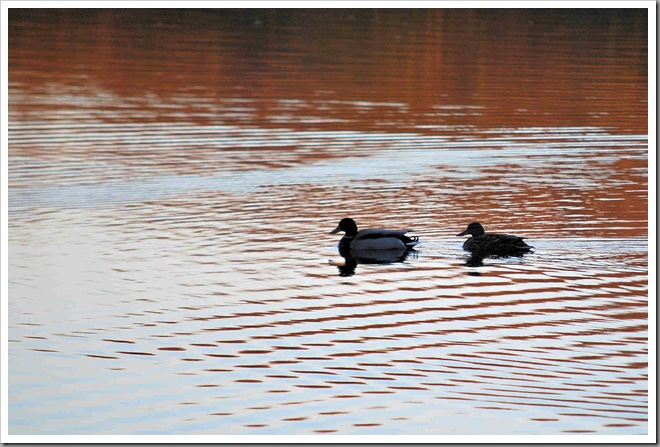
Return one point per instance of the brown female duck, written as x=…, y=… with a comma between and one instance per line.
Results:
x=491, y=244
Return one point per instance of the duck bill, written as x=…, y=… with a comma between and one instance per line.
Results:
x=463, y=233
x=336, y=230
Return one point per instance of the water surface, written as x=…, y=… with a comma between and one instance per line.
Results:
x=173, y=176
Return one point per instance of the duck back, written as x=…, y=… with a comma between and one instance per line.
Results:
x=497, y=245
x=382, y=239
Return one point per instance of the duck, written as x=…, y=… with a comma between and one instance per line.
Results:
x=372, y=239
x=492, y=244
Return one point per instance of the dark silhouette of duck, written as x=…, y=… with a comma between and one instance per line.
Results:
x=483, y=244
x=372, y=246
x=372, y=239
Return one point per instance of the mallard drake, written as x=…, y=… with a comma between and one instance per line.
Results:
x=491, y=244
x=372, y=239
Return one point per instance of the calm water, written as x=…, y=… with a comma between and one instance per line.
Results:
x=173, y=177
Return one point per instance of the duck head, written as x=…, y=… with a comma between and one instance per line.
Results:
x=475, y=229
x=346, y=225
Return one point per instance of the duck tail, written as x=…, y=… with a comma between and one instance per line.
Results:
x=411, y=241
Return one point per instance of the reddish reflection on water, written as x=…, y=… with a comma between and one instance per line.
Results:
x=507, y=68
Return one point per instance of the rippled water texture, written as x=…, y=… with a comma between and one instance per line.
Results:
x=173, y=176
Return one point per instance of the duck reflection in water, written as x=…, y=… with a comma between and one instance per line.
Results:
x=371, y=246
x=491, y=245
